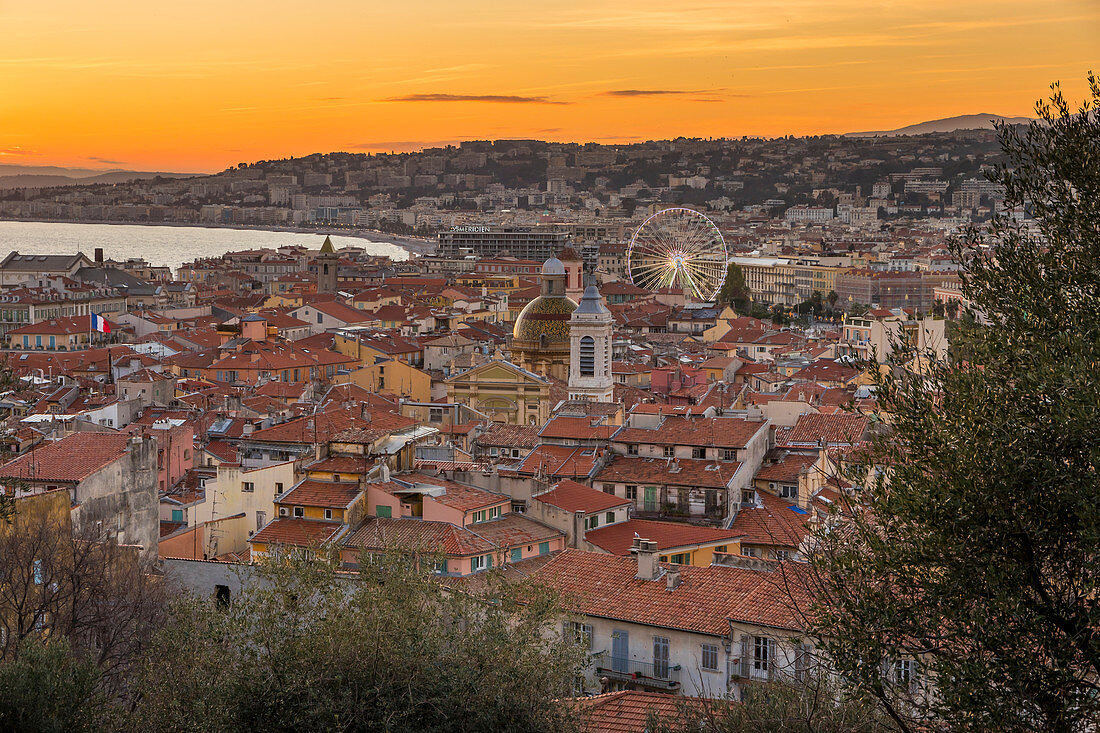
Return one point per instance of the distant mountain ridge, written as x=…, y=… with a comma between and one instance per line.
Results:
x=981, y=121
x=47, y=176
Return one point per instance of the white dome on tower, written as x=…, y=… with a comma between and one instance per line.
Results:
x=553, y=266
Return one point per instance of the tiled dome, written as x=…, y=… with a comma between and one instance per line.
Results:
x=547, y=316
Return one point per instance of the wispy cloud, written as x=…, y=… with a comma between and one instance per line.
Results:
x=105, y=160
x=18, y=152
x=646, y=92
x=496, y=98
x=634, y=93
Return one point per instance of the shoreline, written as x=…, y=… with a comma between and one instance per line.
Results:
x=413, y=245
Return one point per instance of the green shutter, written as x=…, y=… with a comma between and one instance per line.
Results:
x=517, y=554
x=544, y=548
x=383, y=511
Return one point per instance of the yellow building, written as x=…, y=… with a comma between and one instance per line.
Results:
x=367, y=348
x=504, y=391
x=393, y=377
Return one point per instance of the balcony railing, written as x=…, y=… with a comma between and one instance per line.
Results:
x=664, y=675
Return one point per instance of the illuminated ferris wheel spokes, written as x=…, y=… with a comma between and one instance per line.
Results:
x=678, y=248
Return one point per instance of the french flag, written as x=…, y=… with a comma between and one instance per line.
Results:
x=99, y=323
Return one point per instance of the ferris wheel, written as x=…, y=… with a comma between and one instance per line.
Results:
x=678, y=248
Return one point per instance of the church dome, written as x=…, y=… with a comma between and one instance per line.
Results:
x=553, y=266
x=546, y=315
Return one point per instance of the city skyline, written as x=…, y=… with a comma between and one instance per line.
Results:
x=202, y=87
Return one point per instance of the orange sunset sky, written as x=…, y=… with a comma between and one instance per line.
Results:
x=198, y=85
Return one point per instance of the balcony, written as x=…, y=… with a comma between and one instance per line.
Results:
x=660, y=676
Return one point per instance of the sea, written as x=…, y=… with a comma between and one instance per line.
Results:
x=164, y=245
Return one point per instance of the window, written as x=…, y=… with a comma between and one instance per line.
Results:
x=710, y=656
x=435, y=414
x=319, y=317
x=544, y=548
x=748, y=551
x=480, y=563
x=609, y=489
x=632, y=449
x=680, y=558
x=248, y=486
x=669, y=450
x=748, y=496
x=278, y=487
x=782, y=554
x=328, y=514
x=905, y=671
x=383, y=511
x=299, y=511
x=763, y=651
x=261, y=520
x=632, y=492
x=588, y=356
x=787, y=491
x=592, y=522
x=578, y=632
x=39, y=573
x=698, y=452
x=177, y=515
x=609, y=518
x=660, y=657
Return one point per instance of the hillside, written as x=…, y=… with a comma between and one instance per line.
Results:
x=981, y=121
x=48, y=176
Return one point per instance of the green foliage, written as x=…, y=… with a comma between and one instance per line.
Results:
x=815, y=705
x=49, y=689
x=735, y=292
x=979, y=554
x=304, y=648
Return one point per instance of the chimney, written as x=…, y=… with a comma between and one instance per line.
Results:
x=246, y=429
x=99, y=255
x=646, y=552
x=672, y=579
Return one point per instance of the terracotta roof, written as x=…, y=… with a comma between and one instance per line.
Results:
x=618, y=538
x=778, y=523
x=512, y=530
x=342, y=464
x=812, y=430
x=297, y=532
x=691, y=472
x=720, y=432
x=70, y=459
x=326, y=425
x=378, y=533
x=509, y=436
x=329, y=494
x=786, y=470
x=629, y=711
x=566, y=427
x=574, y=497
x=601, y=585
x=558, y=460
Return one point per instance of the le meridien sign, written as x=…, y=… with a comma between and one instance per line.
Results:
x=474, y=229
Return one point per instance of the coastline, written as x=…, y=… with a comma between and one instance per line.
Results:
x=413, y=245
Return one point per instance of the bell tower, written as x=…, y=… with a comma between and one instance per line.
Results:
x=590, y=328
x=327, y=263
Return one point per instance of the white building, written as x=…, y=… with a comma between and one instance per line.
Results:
x=590, y=329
